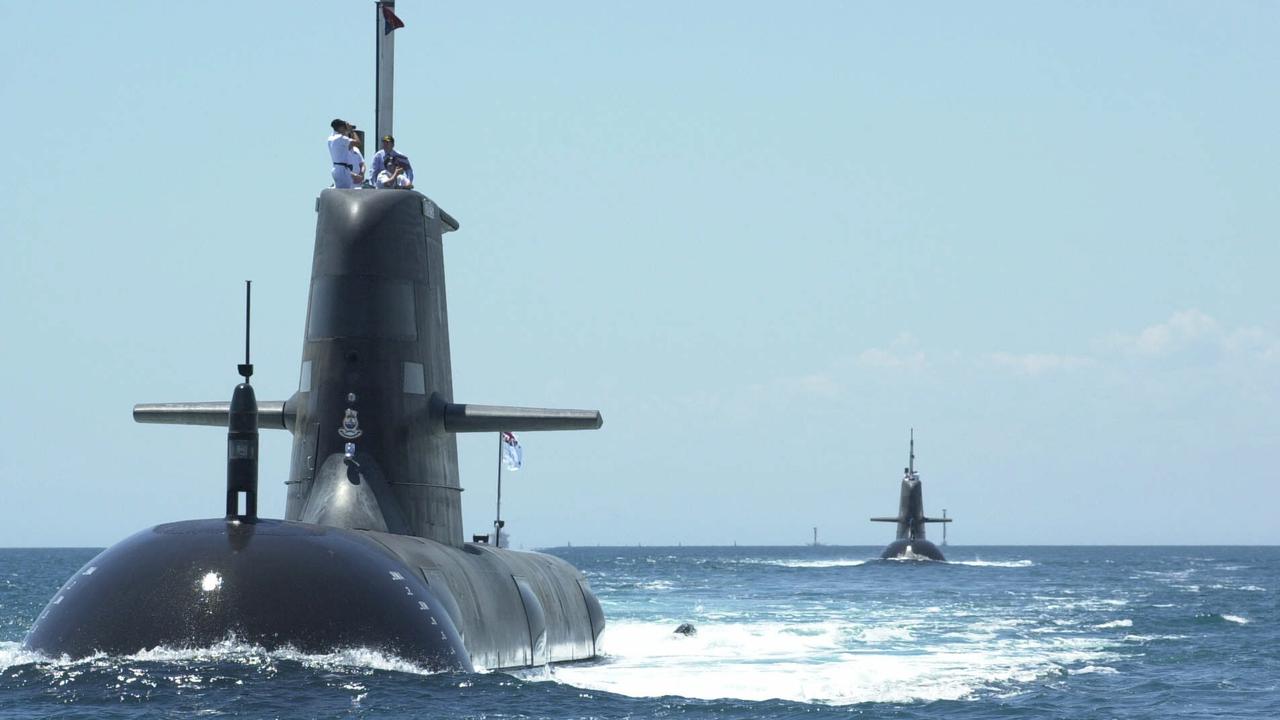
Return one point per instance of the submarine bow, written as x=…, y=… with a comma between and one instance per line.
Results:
x=269, y=583
x=371, y=551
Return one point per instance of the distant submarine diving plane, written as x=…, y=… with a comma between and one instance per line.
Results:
x=911, y=520
x=371, y=551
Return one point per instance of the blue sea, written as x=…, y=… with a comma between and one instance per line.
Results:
x=782, y=632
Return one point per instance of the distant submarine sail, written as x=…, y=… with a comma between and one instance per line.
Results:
x=371, y=551
x=911, y=520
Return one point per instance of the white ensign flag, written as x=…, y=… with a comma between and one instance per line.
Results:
x=512, y=453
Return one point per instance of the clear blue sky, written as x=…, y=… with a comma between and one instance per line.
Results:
x=764, y=239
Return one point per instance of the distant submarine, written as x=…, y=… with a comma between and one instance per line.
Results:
x=911, y=520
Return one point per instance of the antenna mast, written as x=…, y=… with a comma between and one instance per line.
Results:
x=911, y=461
x=242, y=437
x=246, y=370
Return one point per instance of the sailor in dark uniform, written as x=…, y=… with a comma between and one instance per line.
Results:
x=379, y=164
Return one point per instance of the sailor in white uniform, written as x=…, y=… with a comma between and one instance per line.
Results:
x=346, y=160
x=357, y=160
x=393, y=175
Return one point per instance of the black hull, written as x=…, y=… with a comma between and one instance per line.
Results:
x=903, y=549
x=270, y=583
x=319, y=589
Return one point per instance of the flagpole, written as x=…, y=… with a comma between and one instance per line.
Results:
x=497, y=520
x=384, y=77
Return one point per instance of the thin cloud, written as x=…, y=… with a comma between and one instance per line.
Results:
x=902, y=354
x=1254, y=343
x=1186, y=328
x=1034, y=364
x=1187, y=339
x=1193, y=335
x=817, y=385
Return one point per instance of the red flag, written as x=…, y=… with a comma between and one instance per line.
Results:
x=389, y=20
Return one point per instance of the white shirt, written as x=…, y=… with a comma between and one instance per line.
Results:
x=384, y=180
x=340, y=149
x=357, y=162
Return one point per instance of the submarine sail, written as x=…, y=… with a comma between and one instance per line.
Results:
x=371, y=550
x=910, y=541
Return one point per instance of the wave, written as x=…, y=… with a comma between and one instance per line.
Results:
x=993, y=563
x=837, y=661
x=1115, y=624
x=848, y=562
x=814, y=563
x=1151, y=638
x=655, y=585
x=1212, y=618
x=887, y=633
x=1095, y=669
x=1051, y=603
x=12, y=654
x=1241, y=588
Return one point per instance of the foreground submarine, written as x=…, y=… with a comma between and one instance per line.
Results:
x=371, y=551
x=911, y=520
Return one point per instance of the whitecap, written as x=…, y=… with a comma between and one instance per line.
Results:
x=229, y=650
x=1149, y=638
x=1235, y=619
x=1095, y=669
x=873, y=635
x=12, y=653
x=993, y=563
x=655, y=585
x=1115, y=624
x=815, y=563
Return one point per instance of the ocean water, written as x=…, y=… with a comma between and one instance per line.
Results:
x=782, y=632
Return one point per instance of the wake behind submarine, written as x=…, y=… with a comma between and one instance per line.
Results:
x=371, y=552
x=911, y=520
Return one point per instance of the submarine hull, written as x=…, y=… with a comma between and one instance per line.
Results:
x=270, y=583
x=919, y=549
x=319, y=589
